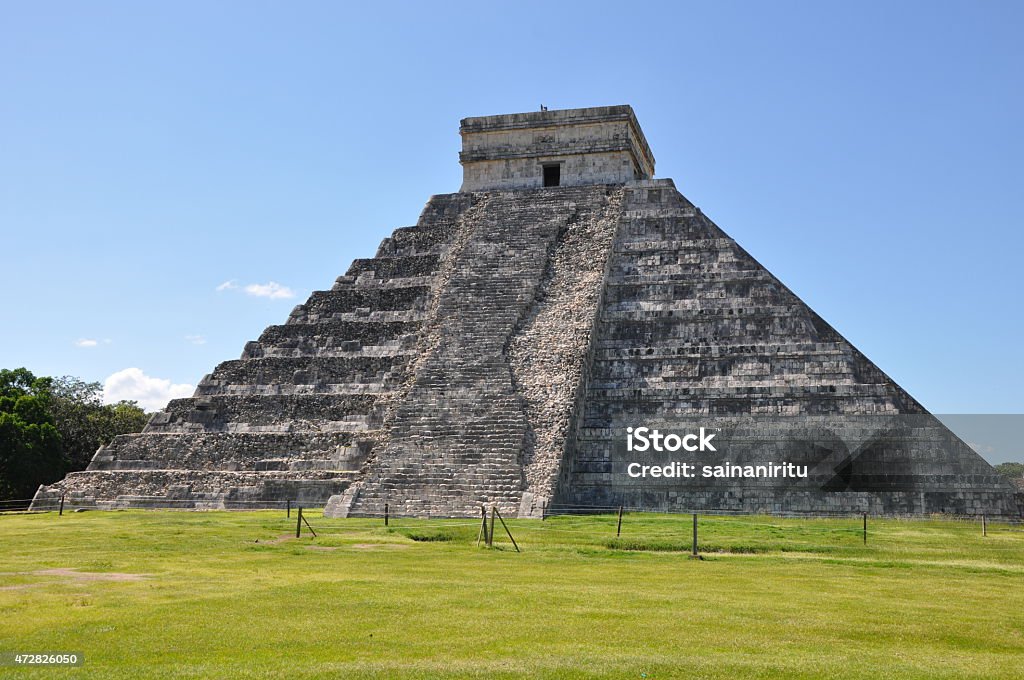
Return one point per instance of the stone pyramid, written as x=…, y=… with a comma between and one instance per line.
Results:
x=496, y=352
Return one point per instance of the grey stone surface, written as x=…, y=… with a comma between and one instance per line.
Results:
x=599, y=145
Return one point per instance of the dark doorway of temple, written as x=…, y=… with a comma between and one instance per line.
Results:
x=552, y=175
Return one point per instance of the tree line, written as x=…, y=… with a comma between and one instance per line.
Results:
x=1013, y=472
x=52, y=426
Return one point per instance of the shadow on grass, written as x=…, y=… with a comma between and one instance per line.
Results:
x=641, y=545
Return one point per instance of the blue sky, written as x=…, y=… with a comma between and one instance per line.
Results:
x=870, y=154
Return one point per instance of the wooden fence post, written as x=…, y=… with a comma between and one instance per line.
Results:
x=694, y=534
x=61, y=513
x=984, y=525
x=298, y=524
x=289, y=508
x=514, y=544
x=311, y=530
x=386, y=511
x=865, y=528
x=618, y=529
x=483, y=527
x=490, y=534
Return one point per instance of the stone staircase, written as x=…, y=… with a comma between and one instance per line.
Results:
x=457, y=438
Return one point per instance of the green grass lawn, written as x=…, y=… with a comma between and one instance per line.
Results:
x=163, y=594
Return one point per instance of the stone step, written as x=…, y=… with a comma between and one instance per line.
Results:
x=397, y=266
x=226, y=451
x=214, y=413
x=305, y=371
x=340, y=335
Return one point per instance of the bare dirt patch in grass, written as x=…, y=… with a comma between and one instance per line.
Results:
x=68, y=575
x=73, y=575
x=280, y=539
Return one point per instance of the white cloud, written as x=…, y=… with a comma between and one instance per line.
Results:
x=151, y=393
x=196, y=339
x=270, y=289
x=85, y=342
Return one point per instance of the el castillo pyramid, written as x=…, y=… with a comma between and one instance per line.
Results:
x=496, y=352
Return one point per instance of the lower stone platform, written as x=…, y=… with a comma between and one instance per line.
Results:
x=191, y=489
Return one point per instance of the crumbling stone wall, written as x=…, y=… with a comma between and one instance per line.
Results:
x=549, y=352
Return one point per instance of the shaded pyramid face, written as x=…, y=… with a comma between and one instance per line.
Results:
x=693, y=332
x=497, y=352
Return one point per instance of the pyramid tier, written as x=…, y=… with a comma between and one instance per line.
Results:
x=234, y=451
x=191, y=489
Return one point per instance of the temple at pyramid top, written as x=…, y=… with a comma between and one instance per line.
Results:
x=568, y=147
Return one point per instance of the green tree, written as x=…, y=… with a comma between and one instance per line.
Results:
x=20, y=381
x=1011, y=470
x=75, y=405
x=30, y=446
x=85, y=423
x=49, y=427
x=124, y=417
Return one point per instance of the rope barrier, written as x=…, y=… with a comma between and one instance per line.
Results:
x=24, y=505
